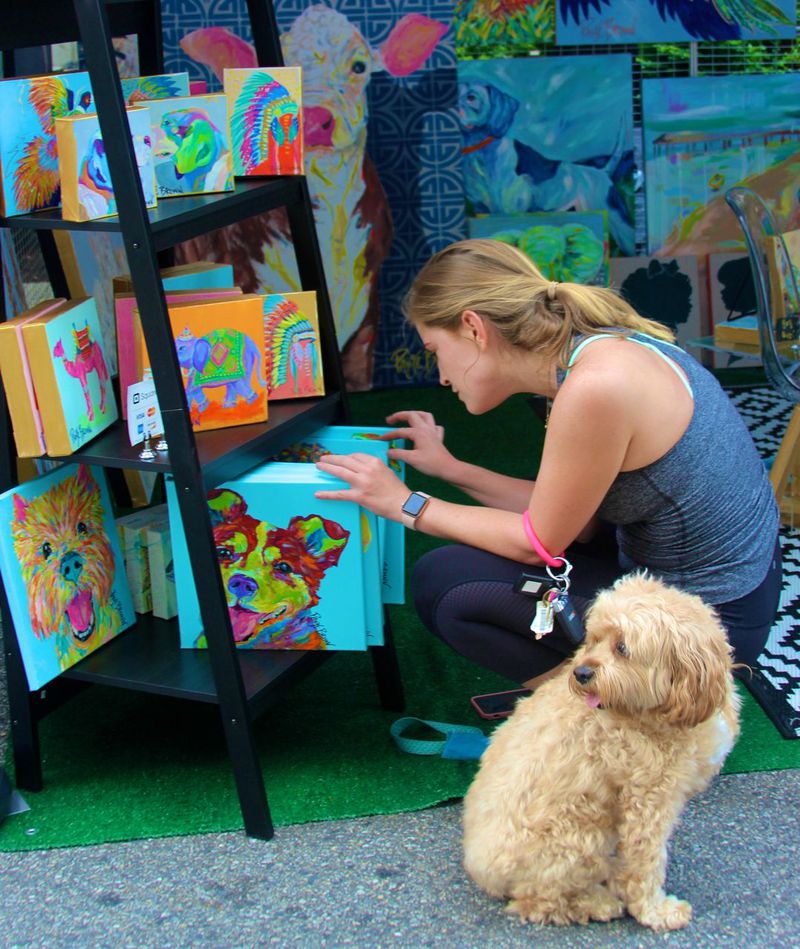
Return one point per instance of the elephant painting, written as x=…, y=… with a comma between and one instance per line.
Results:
x=88, y=358
x=223, y=357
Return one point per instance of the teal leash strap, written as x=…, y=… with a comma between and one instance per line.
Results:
x=470, y=745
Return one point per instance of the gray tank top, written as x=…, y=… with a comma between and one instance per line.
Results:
x=703, y=516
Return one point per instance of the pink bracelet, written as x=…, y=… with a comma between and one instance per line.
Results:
x=530, y=533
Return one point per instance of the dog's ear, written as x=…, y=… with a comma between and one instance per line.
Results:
x=323, y=539
x=700, y=667
x=225, y=506
x=502, y=109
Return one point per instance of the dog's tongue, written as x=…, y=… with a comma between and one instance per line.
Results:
x=79, y=610
x=244, y=622
x=592, y=700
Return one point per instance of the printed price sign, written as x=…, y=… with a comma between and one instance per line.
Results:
x=144, y=415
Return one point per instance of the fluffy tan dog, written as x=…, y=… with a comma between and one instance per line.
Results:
x=579, y=791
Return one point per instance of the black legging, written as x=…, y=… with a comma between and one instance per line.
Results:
x=466, y=597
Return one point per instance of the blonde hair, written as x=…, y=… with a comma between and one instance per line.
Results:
x=504, y=286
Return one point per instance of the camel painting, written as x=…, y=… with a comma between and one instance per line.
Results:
x=70, y=375
x=88, y=359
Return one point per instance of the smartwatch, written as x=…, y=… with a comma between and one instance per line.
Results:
x=414, y=505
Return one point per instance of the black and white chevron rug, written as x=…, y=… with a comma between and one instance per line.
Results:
x=776, y=680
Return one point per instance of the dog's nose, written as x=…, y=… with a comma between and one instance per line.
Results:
x=584, y=674
x=242, y=586
x=71, y=566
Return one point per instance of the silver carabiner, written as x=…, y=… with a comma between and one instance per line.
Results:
x=562, y=577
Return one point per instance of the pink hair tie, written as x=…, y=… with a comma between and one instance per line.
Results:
x=537, y=545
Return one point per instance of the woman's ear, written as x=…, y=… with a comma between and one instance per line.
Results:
x=474, y=327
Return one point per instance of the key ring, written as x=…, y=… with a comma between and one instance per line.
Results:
x=562, y=578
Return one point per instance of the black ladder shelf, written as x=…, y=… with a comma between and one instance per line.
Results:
x=147, y=658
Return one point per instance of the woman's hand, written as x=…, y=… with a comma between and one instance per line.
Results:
x=427, y=454
x=372, y=484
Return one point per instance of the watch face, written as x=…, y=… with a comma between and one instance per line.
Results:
x=414, y=504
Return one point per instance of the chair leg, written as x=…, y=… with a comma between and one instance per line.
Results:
x=785, y=472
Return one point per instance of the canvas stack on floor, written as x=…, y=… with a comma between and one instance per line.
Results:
x=298, y=572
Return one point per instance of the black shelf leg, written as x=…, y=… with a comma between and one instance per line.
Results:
x=247, y=775
x=387, y=669
x=24, y=721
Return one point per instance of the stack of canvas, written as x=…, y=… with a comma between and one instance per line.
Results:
x=18, y=383
x=298, y=572
x=185, y=282
x=220, y=347
x=56, y=377
x=162, y=573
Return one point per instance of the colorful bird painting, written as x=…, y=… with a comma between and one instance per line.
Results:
x=701, y=19
x=37, y=182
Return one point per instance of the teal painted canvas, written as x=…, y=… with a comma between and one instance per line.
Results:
x=62, y=569
x=596, y=22
x=289, y=562
x=705, y=135
x=377, y=566
x=367, y=439
x=550, y=133
x=29, y=172
x=571, y=246
x=191, y=145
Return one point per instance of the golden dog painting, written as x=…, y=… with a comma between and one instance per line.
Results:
x=62, y=569
x=579, y=791
x=292, y=566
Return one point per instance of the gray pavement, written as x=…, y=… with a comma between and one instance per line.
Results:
x=392, y=881
x=395, y=881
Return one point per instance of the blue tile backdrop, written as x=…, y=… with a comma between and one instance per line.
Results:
x=413, y=139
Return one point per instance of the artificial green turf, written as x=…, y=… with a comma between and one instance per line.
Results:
x=121, y=765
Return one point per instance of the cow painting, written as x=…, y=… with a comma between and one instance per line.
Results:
x=352, y=214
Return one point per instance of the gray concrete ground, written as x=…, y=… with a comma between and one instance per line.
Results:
x=395, y=881
x=392, y=881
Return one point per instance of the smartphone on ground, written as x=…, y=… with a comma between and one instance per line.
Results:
x=498, y=704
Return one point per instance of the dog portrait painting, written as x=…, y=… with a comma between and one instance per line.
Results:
x=62, y=570
x=565, y=144
x=292, y=566
x=579, y=791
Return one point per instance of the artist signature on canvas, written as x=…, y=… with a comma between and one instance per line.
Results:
x=413, y=364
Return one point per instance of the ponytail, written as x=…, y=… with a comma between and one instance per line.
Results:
x=505, y=287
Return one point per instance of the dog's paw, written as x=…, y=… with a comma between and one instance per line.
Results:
x=602, y=905
x=669, y=913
